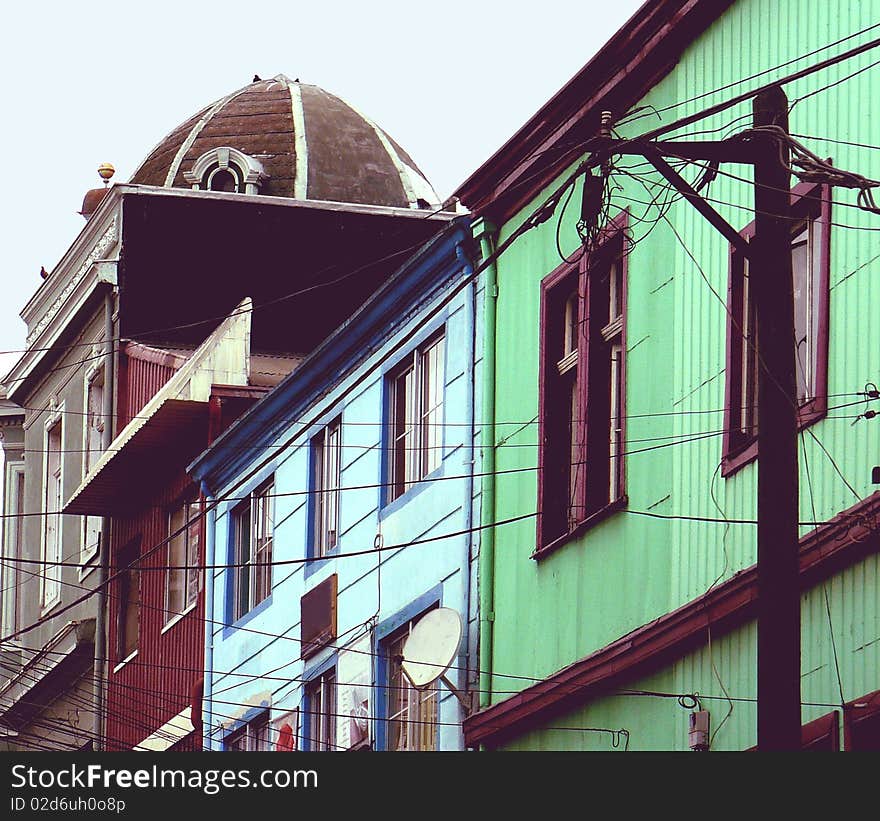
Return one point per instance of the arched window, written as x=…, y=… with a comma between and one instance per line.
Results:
x=228, y=170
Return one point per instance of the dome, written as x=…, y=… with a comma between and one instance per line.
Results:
x=283, y=138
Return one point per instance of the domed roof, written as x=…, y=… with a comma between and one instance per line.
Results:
x=283, y=138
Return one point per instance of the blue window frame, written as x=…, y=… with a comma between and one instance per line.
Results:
x=250, y=736
x=408, y=718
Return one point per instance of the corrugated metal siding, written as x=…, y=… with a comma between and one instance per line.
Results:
x=626, y=572
x=139, y=382
x=157, y=684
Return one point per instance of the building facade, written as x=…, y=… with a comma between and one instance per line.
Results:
x=296, y=206
x=626, y=604
x=340, y=512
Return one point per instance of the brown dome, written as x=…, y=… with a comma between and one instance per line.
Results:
x=283, y=138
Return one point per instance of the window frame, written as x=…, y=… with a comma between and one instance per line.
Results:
x=91, y=525
x=13, y=542
x=193, y=518
x=247, y=564
x=51, y=574
x=392, y=670
x=422, y=451
x=319, y=546
x=255, y=733
x=599, y=353
x=128, y=571
x=320, y=684
x=809, y=202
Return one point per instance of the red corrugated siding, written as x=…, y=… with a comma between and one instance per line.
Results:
x=139, y=382
x=158, y=683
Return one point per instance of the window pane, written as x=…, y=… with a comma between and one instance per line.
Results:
x=616, y=438
x=802, y=282
x=403, y=456
x=52, y=533
x=321, y=704
x=177, y=557
x=94, y=421
x=412, y=714
x=262, y=545
x=328, y=480
x=242, y=560
x=193, y=553
x=432, y=407
x=749, y=363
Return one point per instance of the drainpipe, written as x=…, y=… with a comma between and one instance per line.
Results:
x=467, y=558
x=104, y=544
x=208, y=687
x=485, y=232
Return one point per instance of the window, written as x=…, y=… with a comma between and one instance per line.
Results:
x=128, y=614
x=810, y=254
x=226, y=169
x=411, y=713
x=251, y=737
x=92, y=450
x=252, y=533
x=182, y=579
x=51, y=587
x=415, y=390
x=327, y=473
x=12, y=544
x=223, y=179
x=320, y=712
x=582, y=382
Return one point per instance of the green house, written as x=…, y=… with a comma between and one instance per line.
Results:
x=618, y=581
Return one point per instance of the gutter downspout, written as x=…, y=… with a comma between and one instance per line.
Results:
x=467, y=566
x=104, y=545
x=486, y=233
x=208, y=686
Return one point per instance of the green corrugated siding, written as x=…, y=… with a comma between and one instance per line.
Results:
x=630, y=570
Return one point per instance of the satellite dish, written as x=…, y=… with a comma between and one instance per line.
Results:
x=431, y=648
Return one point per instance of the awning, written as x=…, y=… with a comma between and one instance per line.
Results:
x=150, y=447
x=168, y=734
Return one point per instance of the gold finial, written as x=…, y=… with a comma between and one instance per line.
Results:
x=105, y=172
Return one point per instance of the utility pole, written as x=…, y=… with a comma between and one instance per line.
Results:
x=771, y=289
x=770, y=283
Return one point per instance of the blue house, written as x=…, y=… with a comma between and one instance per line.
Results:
x=342, y=508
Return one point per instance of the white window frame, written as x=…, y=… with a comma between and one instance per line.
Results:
x=327, y=468
x=189, y=555
x=253, y=556
x=50, y=584
x=91, y=525
x=415, y=447
x=403, y=700
x=13, y=524
x=321, y=701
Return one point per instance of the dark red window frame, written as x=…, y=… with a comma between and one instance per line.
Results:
x=861, y=723
x=808, y=201
x=557, y=523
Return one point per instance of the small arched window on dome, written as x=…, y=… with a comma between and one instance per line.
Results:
x=223, y=179
x=228, y=170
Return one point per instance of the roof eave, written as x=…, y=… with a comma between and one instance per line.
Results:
x=635, y=59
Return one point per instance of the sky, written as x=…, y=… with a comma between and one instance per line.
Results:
x=91, y=82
